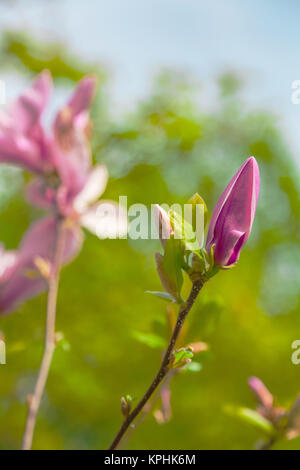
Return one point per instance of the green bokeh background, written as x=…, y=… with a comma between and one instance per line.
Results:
x=166, y=149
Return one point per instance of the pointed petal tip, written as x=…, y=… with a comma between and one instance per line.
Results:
x=90, y=82
x=253, y=162
x=91, y=78
x=255, y=170
x=82, y=98
x=44, y=79
x=46, y=74
x=254, y=381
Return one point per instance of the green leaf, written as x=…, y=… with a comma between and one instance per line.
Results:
x=193, y=367
x=65, y=345
x=151, y=340
x=196, y=200
x=167, y=275
x=172, y=264
x=254, y=418
x=129, y=398
x=180, y=356
x=162, y=295
x=183, y=231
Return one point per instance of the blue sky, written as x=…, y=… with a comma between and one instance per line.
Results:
x=134, y=38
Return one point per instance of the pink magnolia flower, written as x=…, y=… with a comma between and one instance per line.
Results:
x=103, y=218
x=20, y=278
x=233, y=216
x=66, y=152
x=72, y=154
x=67, y=182
x=106, y=219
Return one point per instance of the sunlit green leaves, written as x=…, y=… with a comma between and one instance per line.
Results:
x=181, y=358
x=254, y=418
x=37, y=56
x=182, y=251
x=161, y=295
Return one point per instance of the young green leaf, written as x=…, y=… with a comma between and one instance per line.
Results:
x=181, y=357
x=193, y=367
x=257, y=420
x=167, y=274
x=162, y=295
x=196, y=200
x=183, y=231
x=172, y=265
x=151, y=340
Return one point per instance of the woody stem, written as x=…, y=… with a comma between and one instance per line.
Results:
x=197, y=285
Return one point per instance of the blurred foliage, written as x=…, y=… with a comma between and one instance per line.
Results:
x=19, y=48
x=164, y=151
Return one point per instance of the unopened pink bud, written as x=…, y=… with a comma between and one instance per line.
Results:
x=262, y=394
x=233, y=216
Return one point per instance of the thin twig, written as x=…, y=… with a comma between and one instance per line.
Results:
x=148, y=407
x=50, y=342
x=197, y=285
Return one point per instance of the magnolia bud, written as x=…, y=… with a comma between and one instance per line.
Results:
x=125, y=406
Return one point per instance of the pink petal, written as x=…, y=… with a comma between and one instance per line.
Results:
x=26, y=111
x=40, y=240
x=22, y=140
x=7, y=263
x=233, y=216
x=73, y=165
x=23, y=281
x=40, y=195
x=93, y=189
x=71, y=130
x=18, y=289
x=83, y=95
x=74, y=115
x=106, y=219
x=15, y=149
x=262, y=394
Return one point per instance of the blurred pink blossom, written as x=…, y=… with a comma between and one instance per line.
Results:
x=20, y=278
x=22, y=140
x=285, y=420
x=66, y=181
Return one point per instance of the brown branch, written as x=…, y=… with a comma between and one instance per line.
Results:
x=197, y=285
x=50, y=341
